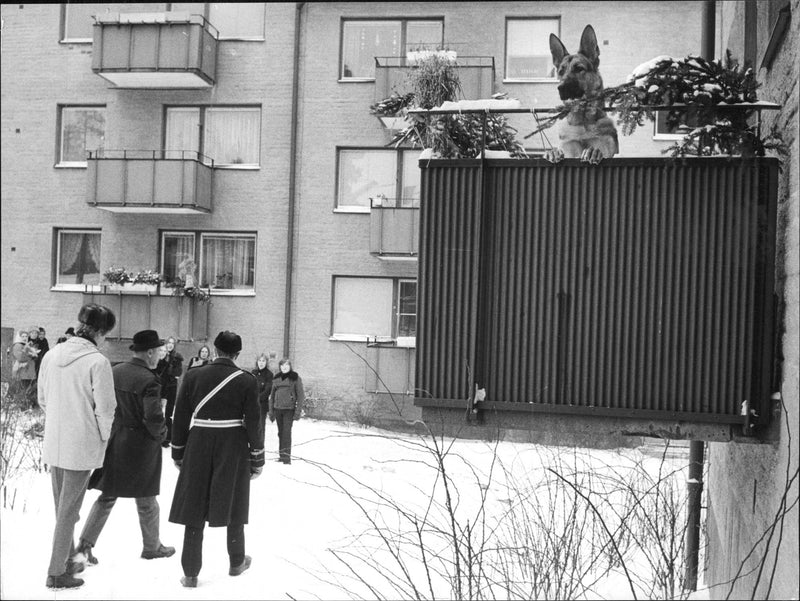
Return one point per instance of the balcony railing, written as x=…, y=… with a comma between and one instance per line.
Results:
x=475, y=72
x=150, y=181
x=394, y=228
x=155, y=50
x=183, y=317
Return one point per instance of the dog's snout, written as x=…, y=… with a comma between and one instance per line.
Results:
x=569, y=90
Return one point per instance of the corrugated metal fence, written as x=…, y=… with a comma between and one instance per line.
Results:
x=638, y=287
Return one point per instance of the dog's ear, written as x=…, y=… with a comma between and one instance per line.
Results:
x=589, y=47
x=557, y=49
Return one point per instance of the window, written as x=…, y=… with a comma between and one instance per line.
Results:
x=238, y=20
x=82, y=128
x=379, y=309
x=230, y=136
x=362, y=41
x=77, y=20
x=528, y=55
x=77, y=258
x=663, y=131
x=223, y=262
x=371, y=173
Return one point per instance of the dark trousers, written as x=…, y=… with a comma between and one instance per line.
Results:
x=147, y=508
x=169, y=393
x=192, y=555
x=284, y=418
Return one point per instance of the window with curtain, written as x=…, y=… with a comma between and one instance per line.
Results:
x=362, y=307
x=362, y=41
x=374, y=308
x=370, y=173
x=176, y=250
x=77, y=20
x=182, y=138
x=238, y=20
x=407, y=308
x=82, y=129
x=227, y=135
x=528, y=48
x=228, y=262
x=77, y=258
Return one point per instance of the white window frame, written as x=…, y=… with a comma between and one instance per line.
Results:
x=119, y=7
x=199, y=237
x=546, y=79
x=661, y=116
x=403, y=22
x=401, y=158
x=393, y=317
x=238, y=37
x=202, y=150
x=407, y=341
x=74, y=287
x=61, y=123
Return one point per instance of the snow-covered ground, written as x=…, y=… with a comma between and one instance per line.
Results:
x=299, y=517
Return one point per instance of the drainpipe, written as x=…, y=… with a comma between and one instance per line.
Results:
x=287, y=310
x=694, y=486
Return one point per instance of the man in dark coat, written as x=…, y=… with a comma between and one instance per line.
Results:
x=218, y=446
x=132, y=464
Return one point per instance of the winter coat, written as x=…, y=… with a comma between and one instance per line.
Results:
x=287, y=393
x=214, y=483
x=132, y=466
x=24, y=367
x=264, y=379
x=169, y=369
x=43, y=346
x=76, y=390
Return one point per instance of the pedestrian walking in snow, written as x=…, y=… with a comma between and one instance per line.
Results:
x=285, y=406
x=76, y=390
x=218, y=446
x=132, y=466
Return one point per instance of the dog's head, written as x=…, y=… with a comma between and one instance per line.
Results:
x=577, y=72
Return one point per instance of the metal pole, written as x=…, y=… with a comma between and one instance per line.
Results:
x=694, y=486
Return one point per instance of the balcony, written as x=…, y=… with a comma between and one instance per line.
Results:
x=182, y=317
x=155, y=50
x=635, y=295
x=151, y=181
x=475, y=72
x=394, y=228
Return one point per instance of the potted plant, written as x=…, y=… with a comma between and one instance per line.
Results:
x=184, y=284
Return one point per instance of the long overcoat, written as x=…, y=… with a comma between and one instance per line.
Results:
x=214, y=483
x=132, y=465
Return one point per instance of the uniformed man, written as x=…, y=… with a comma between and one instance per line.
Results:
x=218, y=446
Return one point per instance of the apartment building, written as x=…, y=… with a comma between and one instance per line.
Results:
x=237, y=137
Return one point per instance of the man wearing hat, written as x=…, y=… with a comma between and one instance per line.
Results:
x=132, y=465
x=218, y=446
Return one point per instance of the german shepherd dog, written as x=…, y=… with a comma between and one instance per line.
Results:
x=588, y=133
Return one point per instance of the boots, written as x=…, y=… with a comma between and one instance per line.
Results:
x=86, y=549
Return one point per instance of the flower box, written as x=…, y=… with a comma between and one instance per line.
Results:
x=132, y=288
x=414, y=56
x=395, y=123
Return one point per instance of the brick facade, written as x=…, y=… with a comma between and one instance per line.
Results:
x=746, y=483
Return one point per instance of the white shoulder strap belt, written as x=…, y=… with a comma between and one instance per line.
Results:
x=208, y=397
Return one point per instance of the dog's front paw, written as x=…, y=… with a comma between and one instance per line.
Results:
x=592, y=156
x=554, y=155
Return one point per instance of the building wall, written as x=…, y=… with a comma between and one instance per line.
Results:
x=746, y=483
x=337, y=114
x=39, y=72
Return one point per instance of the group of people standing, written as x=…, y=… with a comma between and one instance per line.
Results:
x=27, y=350
x=105, y=427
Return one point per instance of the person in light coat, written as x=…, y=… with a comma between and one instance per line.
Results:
x=76, y=391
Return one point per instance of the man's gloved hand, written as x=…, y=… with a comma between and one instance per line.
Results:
x=255, y=472
x=178, y=463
